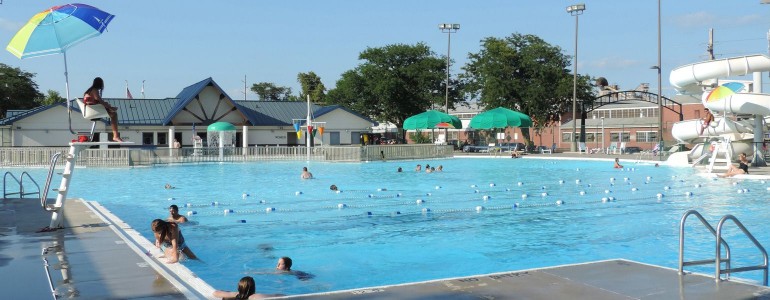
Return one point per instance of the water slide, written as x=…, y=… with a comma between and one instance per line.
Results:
x=691, y=79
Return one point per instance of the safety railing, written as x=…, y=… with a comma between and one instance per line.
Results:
x=135, y=156
x=727, y=270
x=20, y=183
x=47, y=186
x=711, y=229
x=720, y=242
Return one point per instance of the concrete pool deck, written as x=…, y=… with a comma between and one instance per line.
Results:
x=96, y=256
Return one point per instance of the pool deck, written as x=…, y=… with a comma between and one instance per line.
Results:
x=96, y=256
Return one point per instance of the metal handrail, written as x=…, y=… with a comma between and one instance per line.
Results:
x=51, y=168
x=728, y=270
x=705, y=223
x=5, y=184
x=23, y=193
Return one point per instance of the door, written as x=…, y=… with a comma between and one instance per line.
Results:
x=334, y=138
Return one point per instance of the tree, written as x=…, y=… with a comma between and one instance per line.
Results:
x=392, y=83
x=17, y=89
x=524, y=73
x=311, y=85
x=51, y=97
x=268, y=91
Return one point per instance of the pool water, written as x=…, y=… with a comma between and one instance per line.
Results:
x=384, y=227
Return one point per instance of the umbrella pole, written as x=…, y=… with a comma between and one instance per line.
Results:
x=67, y=92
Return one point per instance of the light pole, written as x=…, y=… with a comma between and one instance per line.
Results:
x=448, y=29
x=660, y=95
x=575, y=10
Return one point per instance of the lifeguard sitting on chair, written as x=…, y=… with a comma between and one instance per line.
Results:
x=93, y=96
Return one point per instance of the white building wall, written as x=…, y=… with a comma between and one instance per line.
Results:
x=50, y=127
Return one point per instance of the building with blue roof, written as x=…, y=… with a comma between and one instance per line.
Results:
x=158, y=122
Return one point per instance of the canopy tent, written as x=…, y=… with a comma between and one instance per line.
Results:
x=432, y=119
x=500, y=117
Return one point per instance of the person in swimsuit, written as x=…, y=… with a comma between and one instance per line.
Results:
x=743, y=167
x=174, y=215
x=284, y=266
x=169, y=238
x=93, y=96
x=306, y=174
x=246, y=290
x=617, y=164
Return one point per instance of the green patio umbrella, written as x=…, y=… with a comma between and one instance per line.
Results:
x=432, y=119
x=500, y=117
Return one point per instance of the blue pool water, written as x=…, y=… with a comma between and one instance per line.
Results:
x=376, y=231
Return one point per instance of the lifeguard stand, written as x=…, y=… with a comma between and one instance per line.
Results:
x=197, y=145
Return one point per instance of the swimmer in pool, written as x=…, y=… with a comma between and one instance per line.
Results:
x=306, y=174
x=284, y=266
x=246, y=290
x=170, y=238
x=174, y=215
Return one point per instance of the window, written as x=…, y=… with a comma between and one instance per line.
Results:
x=590, y=137
x=646, y=136
x=614, y=136
x=162, y=140
x=566, y=137
x=147, y=138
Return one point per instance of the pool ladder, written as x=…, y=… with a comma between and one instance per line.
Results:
x=718, y=259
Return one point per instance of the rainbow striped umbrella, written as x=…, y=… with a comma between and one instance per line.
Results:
x=57, y=29
x=724, y=91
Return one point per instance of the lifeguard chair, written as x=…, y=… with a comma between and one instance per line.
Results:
x=197, y=145
x=92, y=113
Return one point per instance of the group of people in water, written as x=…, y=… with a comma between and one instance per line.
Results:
x=169, y=238
x=428, y=168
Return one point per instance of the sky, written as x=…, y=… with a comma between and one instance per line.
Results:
x=172, y=44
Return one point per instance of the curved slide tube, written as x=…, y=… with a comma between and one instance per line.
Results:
x=742, y=103
x=688, y=131
x=687, y=77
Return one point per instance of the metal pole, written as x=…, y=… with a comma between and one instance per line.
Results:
x=660, y=95
x=448, y=47
x=308, y=123
x=575, y=10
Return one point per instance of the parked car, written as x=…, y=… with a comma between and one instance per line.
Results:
x=505, y=147
x=474, y=148
x=632, y=150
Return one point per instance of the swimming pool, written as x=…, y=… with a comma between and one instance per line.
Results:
x=387, y=227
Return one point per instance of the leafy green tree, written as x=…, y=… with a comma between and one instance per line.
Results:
x=524, y=73
x=17, y=89
x=51, y=97
x=393, y=83
x=268, y=91
x=311, y=85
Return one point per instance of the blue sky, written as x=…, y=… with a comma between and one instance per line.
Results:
x=171, y=44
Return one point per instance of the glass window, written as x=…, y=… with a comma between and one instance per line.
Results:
x=590, y=137
x=626, y=137
x=147, y=138
x=565, y=137
x=162, y=140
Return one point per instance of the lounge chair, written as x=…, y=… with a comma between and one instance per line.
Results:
x=582, y=148
x=612, y=148
x=622, y=148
